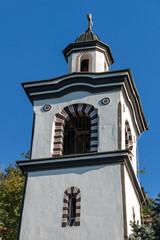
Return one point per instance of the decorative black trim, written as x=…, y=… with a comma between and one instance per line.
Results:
x=20, y=220
x=67, y=76
x=128, y=136
x=71, y=192
x=124, y=203
x=47, y=107
x=71, y=89
x=119, y=125
x=137, y=108
x=70, y=164
x=81, y=80
x=105, y=101
x=79, y=155
x=83, y=155
x=96, y=43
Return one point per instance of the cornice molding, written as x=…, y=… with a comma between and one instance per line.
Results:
x=93, y=83
x=89, y=45
x=119, y=157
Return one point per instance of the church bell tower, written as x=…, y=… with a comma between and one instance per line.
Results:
x=81, y=180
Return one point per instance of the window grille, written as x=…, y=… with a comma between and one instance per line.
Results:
x=77, y=133
x=69, y=112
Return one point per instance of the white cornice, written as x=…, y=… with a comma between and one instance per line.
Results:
x=93, y=76
x=35, y=161
x=135, y=96
x=56, y=86
x=94, y=47
x=76, y=84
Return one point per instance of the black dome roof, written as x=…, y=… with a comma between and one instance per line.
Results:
x=89, y=35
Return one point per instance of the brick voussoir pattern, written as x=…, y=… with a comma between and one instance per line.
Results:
x=78, y=61
x=128, y=136
x=64, y=115
x=73, y=192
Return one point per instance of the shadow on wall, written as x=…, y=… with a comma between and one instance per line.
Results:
x=78, y=171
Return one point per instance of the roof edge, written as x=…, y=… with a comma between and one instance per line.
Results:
x=92, y=43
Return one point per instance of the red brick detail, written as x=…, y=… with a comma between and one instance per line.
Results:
x=71, y=192
x=78, y=60
x=128, y=136
x=65, y=115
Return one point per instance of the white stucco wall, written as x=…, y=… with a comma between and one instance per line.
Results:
x=131, y=201
x=101, y=204
x=98, y=60
x=126, y=115
x=44, y=121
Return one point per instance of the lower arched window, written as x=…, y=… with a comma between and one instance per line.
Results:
x=71, y=207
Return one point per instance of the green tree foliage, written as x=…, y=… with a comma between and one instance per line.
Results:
x=26, y=155
x=142, y=232
x=11, y=195
x=148, y=208
x=142, y=171
x=156, y=216
x=151, y=231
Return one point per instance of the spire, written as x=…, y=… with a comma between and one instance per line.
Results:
x=89, y=35
x=90, y=23
x=88, y=51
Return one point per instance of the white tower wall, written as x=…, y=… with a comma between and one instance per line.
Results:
x=133, y=206
x=105, y=176
x=42, y=144
x=101, y=204
x=97, y=60
x=126, y=115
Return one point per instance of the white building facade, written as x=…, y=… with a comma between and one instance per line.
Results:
x=81, y=180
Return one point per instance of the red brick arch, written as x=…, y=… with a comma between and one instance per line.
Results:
x=74, y=192
x=128, y=136
x=64, y=115
x=78, y=61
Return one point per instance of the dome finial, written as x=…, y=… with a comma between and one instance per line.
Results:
x=90, y=23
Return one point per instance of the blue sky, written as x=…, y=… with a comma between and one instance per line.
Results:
x=33, y=35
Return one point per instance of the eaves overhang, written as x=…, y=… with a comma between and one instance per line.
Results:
x=120, y=80
x=132, y=97
x=119, y=157
x=89, y=45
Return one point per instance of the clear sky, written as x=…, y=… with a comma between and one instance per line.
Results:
x=33, y=35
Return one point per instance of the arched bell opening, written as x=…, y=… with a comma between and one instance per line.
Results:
x=77, y=135
x=84, y=65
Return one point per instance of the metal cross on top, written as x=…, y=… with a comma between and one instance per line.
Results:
x=90, y=23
